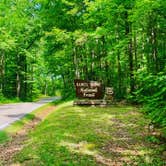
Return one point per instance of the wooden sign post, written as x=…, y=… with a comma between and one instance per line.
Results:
x=88, y=89
x=109, y=92
x=88, y=92
x=91, y=93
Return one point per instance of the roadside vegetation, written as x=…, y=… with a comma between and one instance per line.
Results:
x=45, y=45
x=7, y=133
x=4, y=100
x=84, y=136
x=121, y=43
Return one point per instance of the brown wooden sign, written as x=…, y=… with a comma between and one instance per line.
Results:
x=88, y=89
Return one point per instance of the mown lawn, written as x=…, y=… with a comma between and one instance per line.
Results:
x=91, y=136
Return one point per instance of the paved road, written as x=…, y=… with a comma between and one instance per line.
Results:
x=9, y=113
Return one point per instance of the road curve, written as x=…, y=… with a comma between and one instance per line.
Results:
x=10, y=113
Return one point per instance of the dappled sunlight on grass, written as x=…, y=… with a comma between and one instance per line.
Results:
x=103, y=118
x=91, y=136
x=81, y=147
x=68, y=135
x=80, y=110
x=3, y=137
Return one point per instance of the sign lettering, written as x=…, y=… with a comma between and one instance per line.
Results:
x=88, y=89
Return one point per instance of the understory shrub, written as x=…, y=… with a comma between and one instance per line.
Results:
x=152, y=94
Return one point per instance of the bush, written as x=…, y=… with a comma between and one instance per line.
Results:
x=152, y=93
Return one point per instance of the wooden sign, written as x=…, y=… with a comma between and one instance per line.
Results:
x=109, y=91
x=88, y=89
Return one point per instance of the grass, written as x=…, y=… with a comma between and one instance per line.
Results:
x=4, y=100
x=90, y=136
x=3, y=137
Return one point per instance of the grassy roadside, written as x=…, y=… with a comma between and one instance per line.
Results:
x=73, y=136
x=4, y=100
x=5, y=135
x=8, y=101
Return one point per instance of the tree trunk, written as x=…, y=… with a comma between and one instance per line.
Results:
x=18, y=84
x=2, y=70
x=130, y=52
x=75, y=60
x=135, y=52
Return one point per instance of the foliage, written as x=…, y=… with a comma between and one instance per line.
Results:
x=45, y=45
x=3, y=137
x=152, y=93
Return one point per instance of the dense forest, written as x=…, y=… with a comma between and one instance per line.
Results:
x=46, y=44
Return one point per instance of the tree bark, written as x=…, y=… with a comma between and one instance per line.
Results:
x=130, y=52
x=18, y=85
x=2, y=70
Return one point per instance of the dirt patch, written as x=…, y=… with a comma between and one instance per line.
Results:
x=8, y=150
x=128, y=143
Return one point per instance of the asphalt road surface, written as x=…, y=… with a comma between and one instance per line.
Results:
x=10, y=113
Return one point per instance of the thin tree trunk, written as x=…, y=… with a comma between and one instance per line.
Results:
x=18, y=84
x=92, y=63
x=2, y=70
x=135, y=52
x=64, y=82
x=45, y=88
x=75, y=60
x=130, y=53
x=119, y=73
x=154, y=49
x=131, y=67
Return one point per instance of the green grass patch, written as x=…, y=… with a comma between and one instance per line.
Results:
x=4, y=100
x=4, y=137
x=93, y=136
